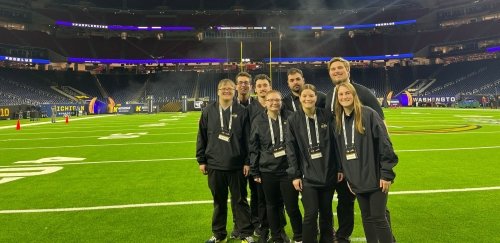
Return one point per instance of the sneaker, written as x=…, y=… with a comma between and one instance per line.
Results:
x=248, y=239
x=214, y=239
x=285, y=238
x=264, y=236
x=234, y=235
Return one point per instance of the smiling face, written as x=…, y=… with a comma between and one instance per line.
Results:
x=243, y=85
x=345, y=97
x=308, y=99
x=226, y=91
x=338, y=72
x=273, y=102
x=295, y=82
x=262, y=86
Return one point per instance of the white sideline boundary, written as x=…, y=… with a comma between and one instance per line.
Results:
x=163, y=204
x=193, y=158
x=48, y=122
x=181, y=142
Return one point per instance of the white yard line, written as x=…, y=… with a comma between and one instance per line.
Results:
x=447, y=149
x=95, y=145
x=162, y=204
x=97, y=162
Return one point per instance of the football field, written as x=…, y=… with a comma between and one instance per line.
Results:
x=134, y=178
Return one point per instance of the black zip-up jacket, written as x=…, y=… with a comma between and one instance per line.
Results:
x=366, y=97
x=255, y=109
x=376, y=157
x=218, y=154
x=318, y=172
x=261, y=148
x=245, y=104
x=287, y=101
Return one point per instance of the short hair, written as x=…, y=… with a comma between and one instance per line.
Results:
x=243, y=74
x=225, y=81
x=262, y=76
x=308, y=86
x=292, y=71
x=273, y=91
x=342, y=60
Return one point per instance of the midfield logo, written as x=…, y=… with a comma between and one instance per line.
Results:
x=13, y=174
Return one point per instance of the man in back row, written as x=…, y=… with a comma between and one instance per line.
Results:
x=295, y=82
x=244, y=88
x=339, y=71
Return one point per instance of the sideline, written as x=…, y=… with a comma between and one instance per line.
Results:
x=49, y=122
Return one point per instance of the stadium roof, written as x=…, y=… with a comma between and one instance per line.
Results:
x=235, y=4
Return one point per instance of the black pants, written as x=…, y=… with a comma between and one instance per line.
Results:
x=317, y=199
x=219, y=182
x=279, y=191
x=373, y=212
x=262, y=210
x=254, y=206
x=345, y=212
x=254, y=201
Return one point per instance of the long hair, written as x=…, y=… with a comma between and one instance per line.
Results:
x=358, y=122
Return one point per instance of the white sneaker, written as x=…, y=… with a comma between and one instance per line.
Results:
x=248, y=239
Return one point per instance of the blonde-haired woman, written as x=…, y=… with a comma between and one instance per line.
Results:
x=314, y=164
x=367, y=159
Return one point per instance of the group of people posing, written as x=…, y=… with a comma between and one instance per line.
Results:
x=307, y=144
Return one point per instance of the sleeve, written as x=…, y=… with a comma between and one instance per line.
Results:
x=246, y=135
x=369, y=99
x=328, y=100
x=202, y=140
x=254, y=150
x=294, y=170
x=287, y=105
x=321, y=102
x=335, y=143
x=386, y=155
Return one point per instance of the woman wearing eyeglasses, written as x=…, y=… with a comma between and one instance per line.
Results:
x=367, y=160
x=313, y=164
x=268, y=167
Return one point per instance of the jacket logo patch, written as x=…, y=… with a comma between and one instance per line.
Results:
x=234, y=115
x=323, y=125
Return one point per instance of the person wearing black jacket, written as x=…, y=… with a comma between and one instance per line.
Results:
x=313, y=164
x=339, y=71
x=243, y=89
x=295, y=82
x=221, y=152
x=268, y=167
x=367, y=159
x=262, y=85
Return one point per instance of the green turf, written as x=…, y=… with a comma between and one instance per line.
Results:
x=438, y=149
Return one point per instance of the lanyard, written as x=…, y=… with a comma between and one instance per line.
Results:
x=343, y=127
x=272, y=131
x=309, y=130
x=333, y=99
x=222, y=118
x=293, y=104
x=249, y=100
